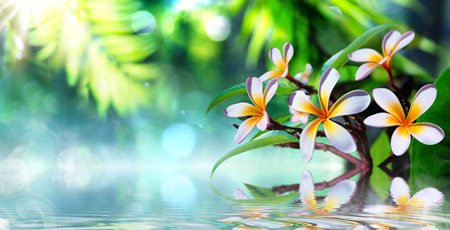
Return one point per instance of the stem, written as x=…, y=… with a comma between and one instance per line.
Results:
x=364, y=144
x=404, y=101
x=300, y=85
x=274, y=125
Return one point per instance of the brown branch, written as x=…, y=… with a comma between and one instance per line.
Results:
x=332, y=149
x=309, y=89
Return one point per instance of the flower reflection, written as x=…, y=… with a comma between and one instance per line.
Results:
x=400, y=193
x=240, y=195
x=340, y=194
x=259, y=213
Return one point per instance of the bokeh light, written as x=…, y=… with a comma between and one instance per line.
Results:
x=218, y=28
x=178, y=140
x=143, y=22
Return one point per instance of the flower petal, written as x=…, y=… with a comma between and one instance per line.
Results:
x=327, y=82
x=352, y=102
x=264, y=122
x=254, y=90
x=426, y=133
x=307, y=191
x=242, y=109
x=428, y=197
x=286, y=71
x=245, y=128
x=270, y=90
x=422, y=102
x=288, y=52
x=308, y=139
x=275, y=56
x=240, y=195
x=298, y=116
x=300, y=102
x=365, y=55
x=403, y=41
x=364, y=70
x=387, y=100
x=270, y=75
x=400, y=141
x=390, y=40
x=340, y=194
x=339, y=136
x=399, y=191
x=381, y=120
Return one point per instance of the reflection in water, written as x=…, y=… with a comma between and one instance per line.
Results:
x=133, y=199
x=178, y=191
x=340, y=209
x=400, y=193
x=340, y=194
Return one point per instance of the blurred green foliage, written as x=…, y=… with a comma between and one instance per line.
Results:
x=131, y=54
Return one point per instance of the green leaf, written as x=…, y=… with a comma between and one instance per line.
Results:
x=338, y=60
x=379, y=180
x=430, y=163
x=255, y=144
x=381, y=149
x=258, y=191
x=240, y=90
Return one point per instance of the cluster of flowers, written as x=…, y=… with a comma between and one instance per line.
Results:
x=350, y=103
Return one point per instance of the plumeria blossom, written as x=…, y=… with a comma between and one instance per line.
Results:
x=392, y=42
x=340, y=194
x=400, y=193
x=304, y=76
x=350, y=103
x=426, y=133
x=257, y=113
x=280, y=61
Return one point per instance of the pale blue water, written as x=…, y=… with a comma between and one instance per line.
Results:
x=130, y=198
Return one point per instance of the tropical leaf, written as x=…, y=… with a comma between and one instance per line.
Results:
x=240, y=90
x=430, y=164
x=339, y=59
x=255, y=144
